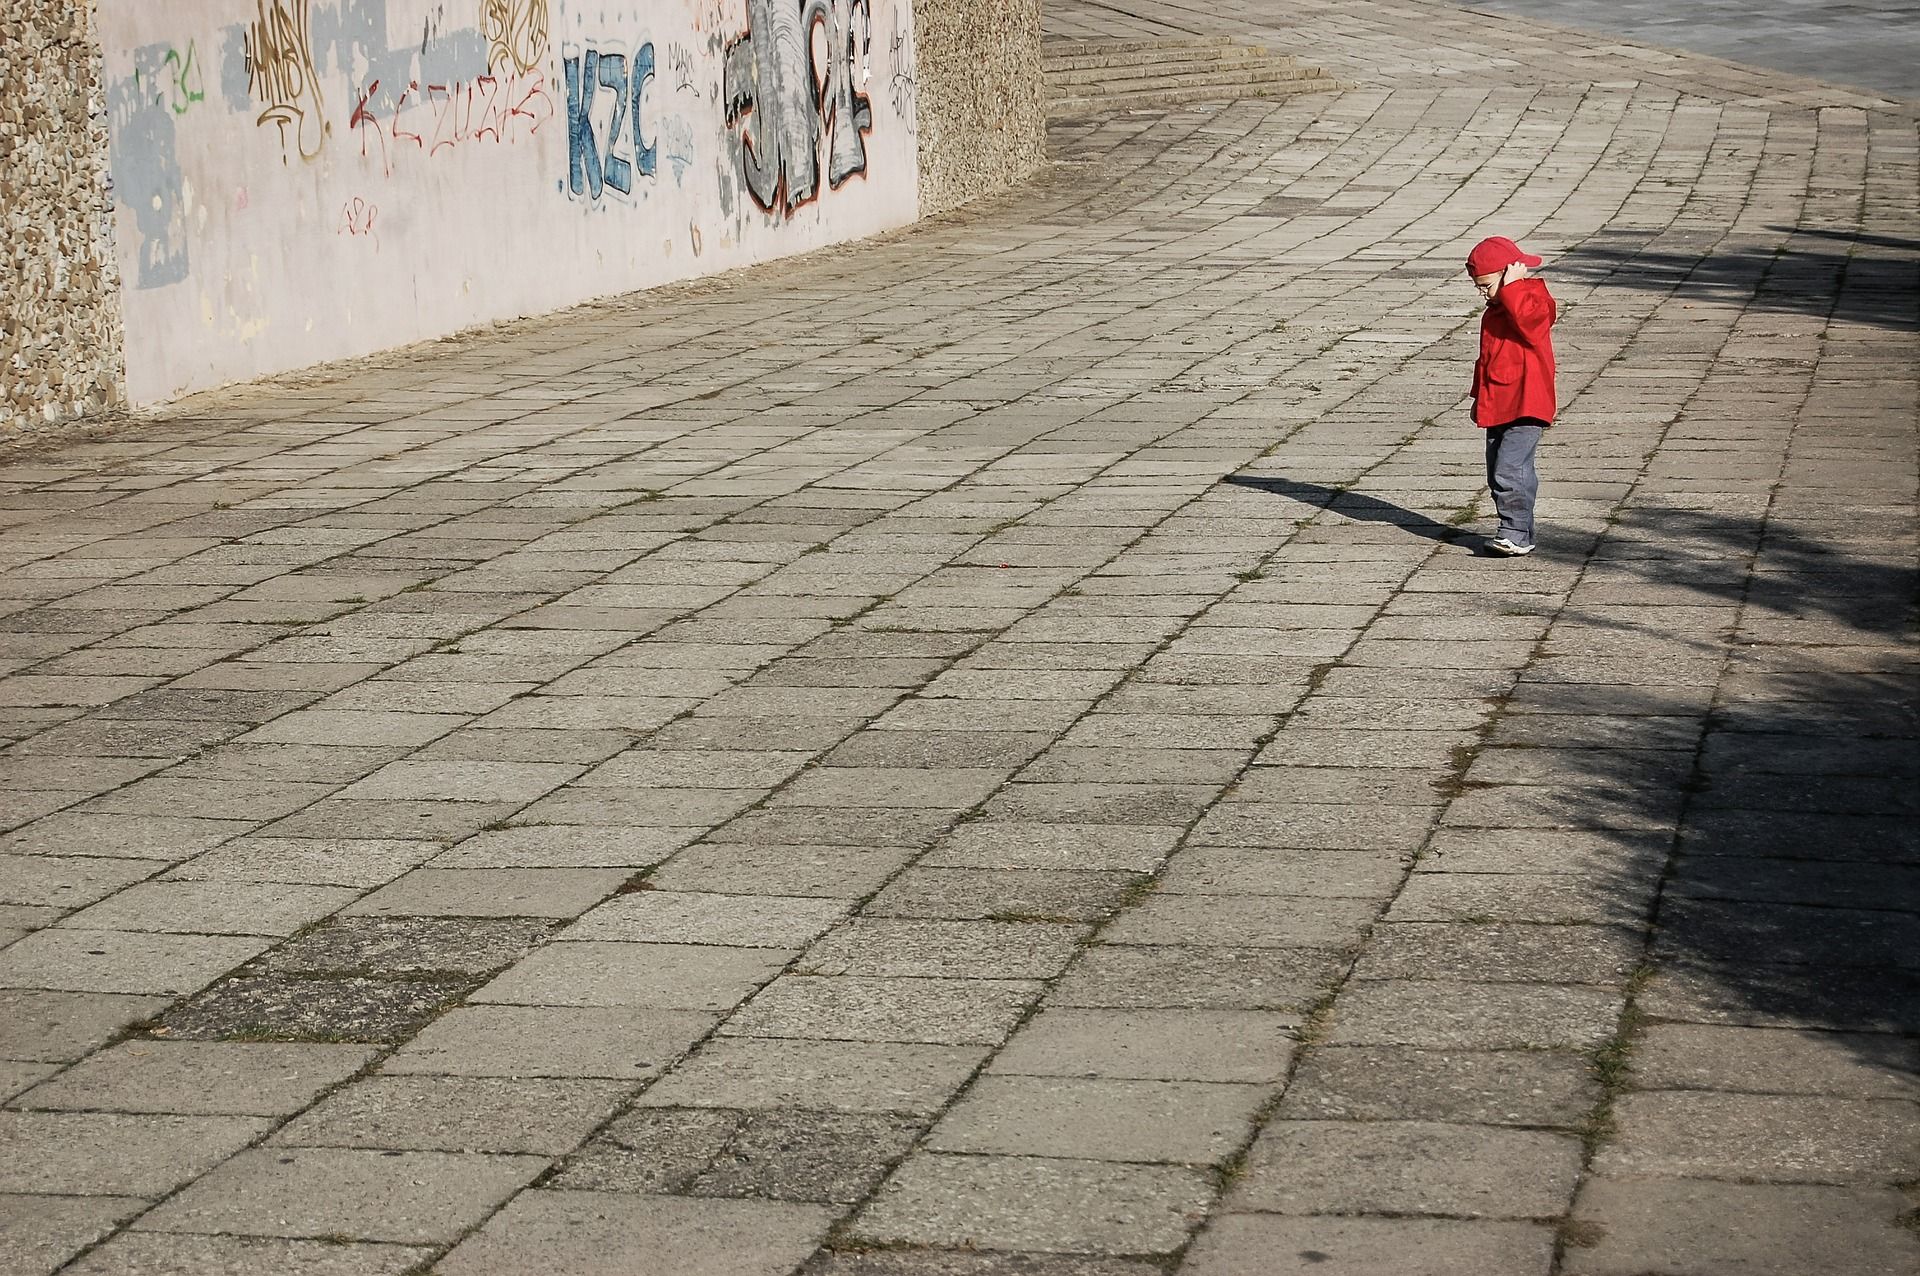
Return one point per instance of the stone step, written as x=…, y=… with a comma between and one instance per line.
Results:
x=1076, y=48
x=1190, y=59
x=1151, y=57
x=1068, y=107
x=1223, y=81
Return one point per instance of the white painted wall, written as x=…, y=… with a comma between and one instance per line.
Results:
x=303, y=180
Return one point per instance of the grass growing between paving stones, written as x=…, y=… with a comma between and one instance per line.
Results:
x=1612, y=1064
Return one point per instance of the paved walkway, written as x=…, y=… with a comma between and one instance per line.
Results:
x=1874, y=46
x=992, y=753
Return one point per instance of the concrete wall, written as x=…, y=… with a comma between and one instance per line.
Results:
x=980, y=94
x=298, y=181
x=305, y=180
x=59, y=282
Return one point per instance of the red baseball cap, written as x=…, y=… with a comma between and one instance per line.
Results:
x=1490, y=256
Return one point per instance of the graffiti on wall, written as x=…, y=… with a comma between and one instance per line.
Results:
x=175, y=82
x=594, y=164
x=516, y=34
x=144, y=153
x=281, y=76
x=783, y=103
x=428, y=119
x=264, y=151
x=903, y=85
x=357, y=218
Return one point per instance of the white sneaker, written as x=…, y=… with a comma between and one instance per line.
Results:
x=1507, y=549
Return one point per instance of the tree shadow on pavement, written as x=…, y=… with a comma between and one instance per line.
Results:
x=1794, y=897
x=1788, y=782
x=1875, y=289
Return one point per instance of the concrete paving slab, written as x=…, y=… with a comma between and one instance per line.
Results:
x=1765, y=1138
x=349, y=1008
x=113, y=1154
x=829, y=872
x=213, y=908
x=1693, y=1225
x=1407, y=1168
x=58, y=1027
x=890, y=948
x=942, y=1262
x=1383, y=1083
x=457, y=1114
x=659, y=976
x=42, y=1232
x=1034, y=1204
x=356, y=862
x=405, y=946
x=1271, y=1245
x=543, y=1041
x=1169, y=1045
x=1100, y=1119
x=200, y=1078
x=122, y=961
x=558, y=893
x=688, y=917
x=1769, y=1061
x=820, y=1075
x=933, y=1011
x=402, y=1198
x=594, y=1232
x=1196, y=977
x=154, y=1255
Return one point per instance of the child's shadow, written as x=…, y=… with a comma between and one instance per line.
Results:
x=1353, y=505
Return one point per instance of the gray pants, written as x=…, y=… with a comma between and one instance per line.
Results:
x=1511, y=477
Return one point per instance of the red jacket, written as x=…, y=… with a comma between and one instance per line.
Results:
x=1513, y=377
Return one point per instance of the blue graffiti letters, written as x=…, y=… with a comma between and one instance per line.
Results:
x=591, y=168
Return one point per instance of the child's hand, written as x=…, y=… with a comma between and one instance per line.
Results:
x=1516, y=271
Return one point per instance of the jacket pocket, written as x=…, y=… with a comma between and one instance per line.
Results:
x=1506, y=365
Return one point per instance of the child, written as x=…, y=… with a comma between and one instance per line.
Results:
x=1513, y=397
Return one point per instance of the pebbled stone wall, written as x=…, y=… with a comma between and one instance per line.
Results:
x=982, y=108
x=60, y=332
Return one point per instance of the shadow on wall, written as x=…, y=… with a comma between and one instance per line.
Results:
x=1795, y=792
x=1875, y=289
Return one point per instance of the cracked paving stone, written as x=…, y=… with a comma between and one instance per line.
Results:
x=395, y=946
x=783, y=1155
x=285, y=1008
